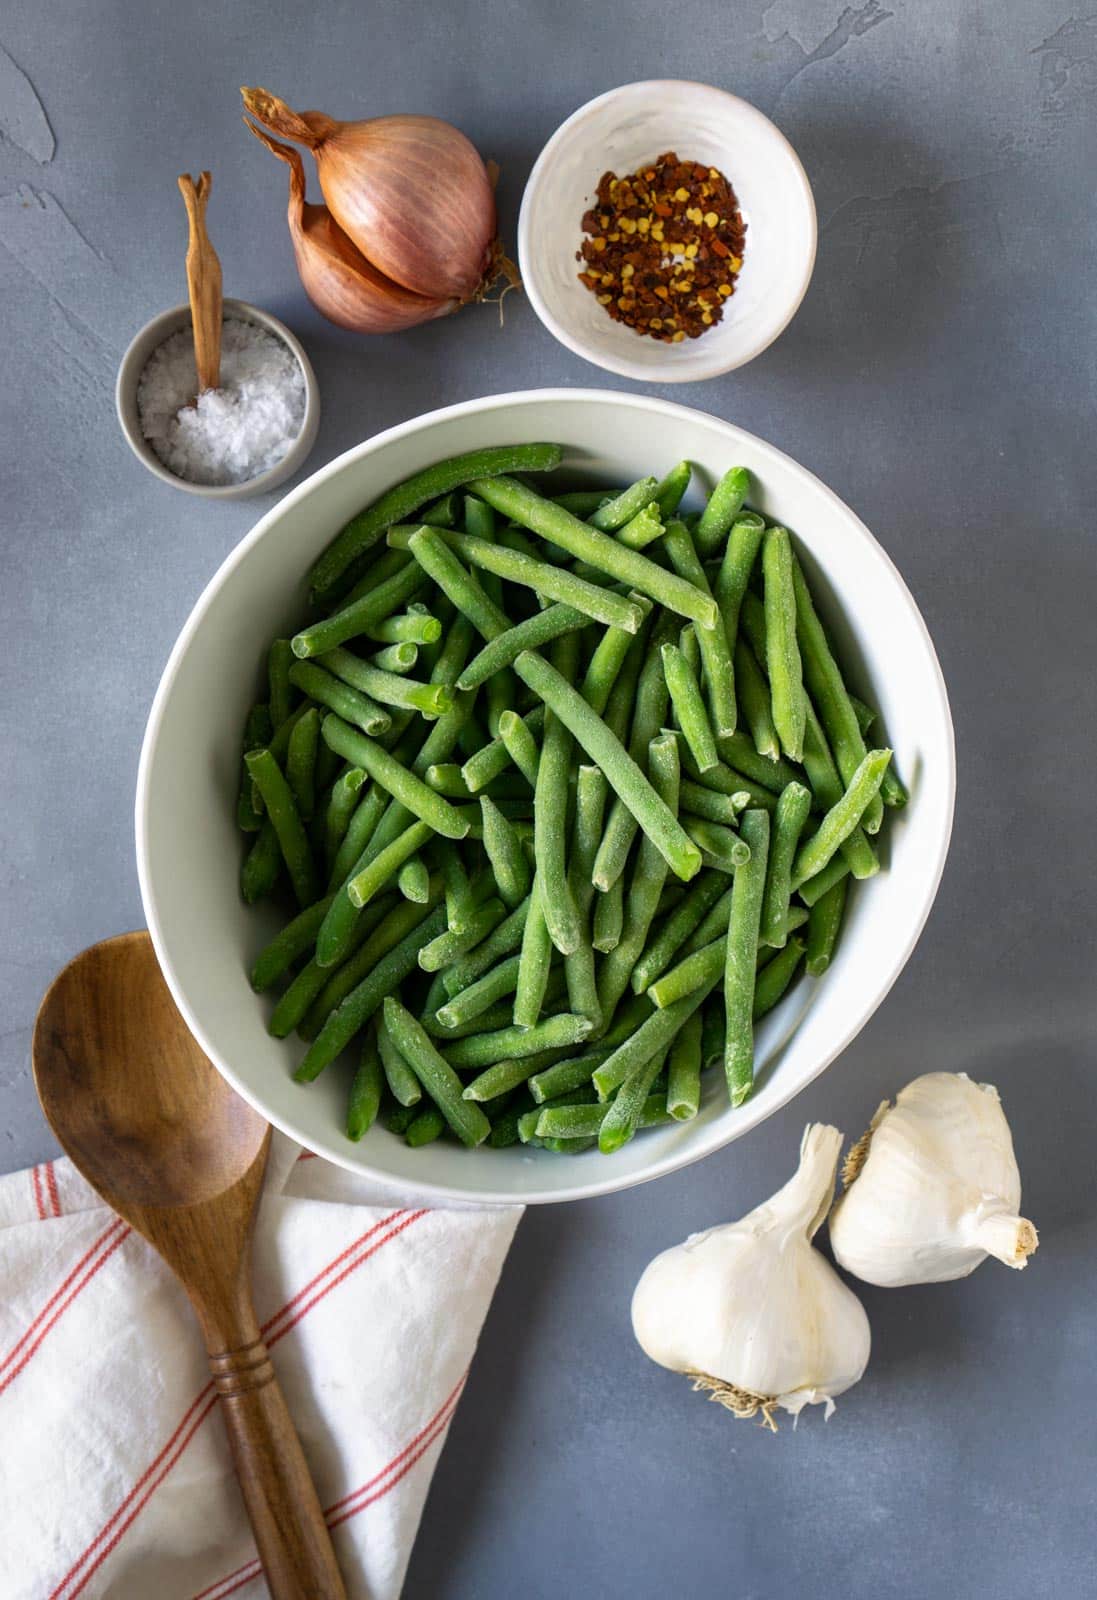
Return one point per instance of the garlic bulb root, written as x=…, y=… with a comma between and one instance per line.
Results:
x=750, y=1311
x=932, y=1188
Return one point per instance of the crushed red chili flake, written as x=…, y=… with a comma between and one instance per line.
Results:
x=666, y=245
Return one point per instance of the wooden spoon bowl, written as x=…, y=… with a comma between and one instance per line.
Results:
x=161, y=1136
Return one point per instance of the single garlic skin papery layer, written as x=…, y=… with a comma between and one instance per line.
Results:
x=751, y=1310
x=933, y=1188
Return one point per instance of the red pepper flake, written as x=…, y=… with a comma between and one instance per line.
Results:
x=673, y=227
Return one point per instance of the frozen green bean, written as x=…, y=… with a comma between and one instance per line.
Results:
x=485, y=1049
x=775, y=977
x=783, y=664
x=534, y=962
x=279, y=661
x=505, y=855
x=683, y=1097
x=788, y=823
x=689, y=707
x=366, y=1089
x=712, y=641
x=502, y=941
x=487, y=763
x=740, y=955
x=401, y=784
x=720, y=847
x=404, y=1086
x=361, y=614
x=609, y=917
x=702, y=894
x=350, y=704
x=824, y=924
x=613, y=514
x=535, y=631
x=671, y=490
x=342, y=804
x=389, y=688
x=842, y=818
x=724, y=504
x=286, y=821
x=520, y=744
x=435, y=1074
x=413, y=880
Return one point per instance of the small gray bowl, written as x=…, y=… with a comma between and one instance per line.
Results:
x=151, y=336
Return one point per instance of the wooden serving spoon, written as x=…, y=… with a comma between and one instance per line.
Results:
x=157, y=1131
x=203, y=282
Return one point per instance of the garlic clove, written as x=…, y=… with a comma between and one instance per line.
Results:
x=750, y=1311
x=932, y=1188
x=340, y=282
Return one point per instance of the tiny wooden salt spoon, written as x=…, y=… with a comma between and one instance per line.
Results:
x=161, y=1136
x=203, y=282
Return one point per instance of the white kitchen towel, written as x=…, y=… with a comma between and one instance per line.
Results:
x=115, y=1475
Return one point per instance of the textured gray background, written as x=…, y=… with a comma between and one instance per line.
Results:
x=940, y=376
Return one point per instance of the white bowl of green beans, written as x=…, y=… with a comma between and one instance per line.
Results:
x=524, y=919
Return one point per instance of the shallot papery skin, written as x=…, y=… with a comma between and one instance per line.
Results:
x=410, y=192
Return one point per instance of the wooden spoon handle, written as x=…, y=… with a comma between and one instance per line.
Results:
x=290, y=1533
x=203, y=282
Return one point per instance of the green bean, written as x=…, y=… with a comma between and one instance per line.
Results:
x=580, y=539
x=377, y=571
x=395, y=658
x=537, y=630
x=402, y=1081
x=286, y=820
x=366, y=1090
x=716, y=656
x=342, y=805
x=741, y=951
x=295, y=938
x=824, y=923
x=417, y=625
x=485, y=1049
x=613, y=514
x=444, y=950
x=386, y=863
x=496, y=1016
x=360, y=1004
x=387, y=687
x=648, y=1042
x=864, y=714
x=556, y=583
x=279, y=661
x=607, y=661
x=609, y=917
x=739, y=753
x=505, y=853
x=403, y=785
x=386, y=923
x=428, y=1126
x=262, y=864
x=713, y=925
x=502, y=941
x=583, y=502
x=691, y=650
x=840, y=821
x=435, y=1074
x=684, y=1071
x=301, y=762
x=713, y=806
x=827, y=689
x=893, y=791
x=550, y=809
x=572, y=1072
x=413, y=880
x=783, y=664
x=350, y=704
x=827, y=789
x=641, y=530
x=443, y=512
x=775, y=978
x=622, y=1116
x=572, y=1121
x=645, y=884
x=726, y=782
x=360, y=614
x=520, y=744
x=258, y=730
x=504, y=1124
x=435, y=556
x=702, y=966
x=702, y=894
x=400, y=502
x=497, y=1080
x=534, y=962
x=720, y=847
x=360, y=830
x=671, y=490
x=472, y=1001
x=296, y=1002
x=740, y=555
x=813, y=890
x=753, y=692
x=398, y=1119
x=724, y=504
x=788, y=823
x=487, y=763
x=689, y=706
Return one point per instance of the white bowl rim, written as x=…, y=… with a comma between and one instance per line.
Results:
x=125, y=403
x=337, y=1148
x=621, y=365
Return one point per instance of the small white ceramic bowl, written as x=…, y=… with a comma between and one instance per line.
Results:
x=189, y=851
x=151, y=336
x=620, y=131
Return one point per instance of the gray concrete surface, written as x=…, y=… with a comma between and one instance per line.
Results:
x=940, y=376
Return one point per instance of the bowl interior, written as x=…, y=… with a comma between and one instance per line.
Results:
x=189, y=851
x=619, y=132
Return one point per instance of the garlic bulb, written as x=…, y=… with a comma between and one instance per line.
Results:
x=751, y=1311
x=933, y=1188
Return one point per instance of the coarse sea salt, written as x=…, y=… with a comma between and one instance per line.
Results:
x=236, y=431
